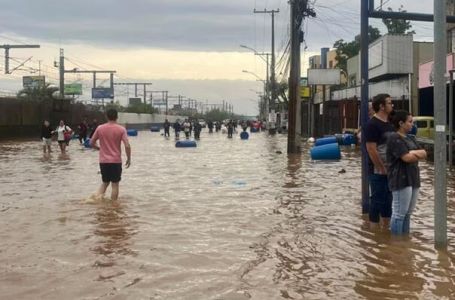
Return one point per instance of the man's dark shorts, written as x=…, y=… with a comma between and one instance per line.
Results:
x=111, y=172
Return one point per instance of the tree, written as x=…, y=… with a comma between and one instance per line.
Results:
x=45, y=92
x=398, y=26
x=281, y=91
x=217, y=115
x=346, y=50
x=141, y=108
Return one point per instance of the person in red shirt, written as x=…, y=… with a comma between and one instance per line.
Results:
x=110, y=136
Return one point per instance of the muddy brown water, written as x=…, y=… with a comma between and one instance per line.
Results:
x=230, y=219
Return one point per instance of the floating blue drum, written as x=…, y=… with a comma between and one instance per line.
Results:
x=326, y=152
x=244, y=135
x=131, y=132
x=346, y=139
x=349, y=139
x=87, y=143
x=185, y=144
x=155, y=129
x=326, y=140
x=253, y=129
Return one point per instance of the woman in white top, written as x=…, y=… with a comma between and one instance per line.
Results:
x=63, y=135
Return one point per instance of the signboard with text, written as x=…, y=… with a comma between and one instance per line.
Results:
x=33, y=82
x=305, y=91
x=73, y=89
x=134, y=101
x=324, y=76
x=102, y=93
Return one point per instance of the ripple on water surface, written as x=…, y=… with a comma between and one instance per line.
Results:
x=230, y=219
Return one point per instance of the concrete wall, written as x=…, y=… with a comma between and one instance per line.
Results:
x=24, y=118
x=397, y=88
x=144, y=121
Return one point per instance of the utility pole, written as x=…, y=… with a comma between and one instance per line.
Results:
x=299, y=10
x=144, y=84
x=266, y=85
x=62, y=72
x=61, y=67
x=440, y=150
x=365, y=8
x=294, y=76
x=272, y=129
x=7, y=47
x=166, y=99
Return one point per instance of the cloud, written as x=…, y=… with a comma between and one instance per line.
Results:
x=170, y=24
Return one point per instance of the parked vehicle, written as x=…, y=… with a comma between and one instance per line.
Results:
x=425, y=126
x=202, y=123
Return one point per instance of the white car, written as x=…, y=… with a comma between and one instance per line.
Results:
x=202, y=123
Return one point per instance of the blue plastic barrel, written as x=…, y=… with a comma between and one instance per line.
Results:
x=155, y=129
x=326, y=140
x=348, y=139
x=185, y=144
x=87, y=143
x=326, y=152
x=244, y=135
x=253, y=129
x=131, y=132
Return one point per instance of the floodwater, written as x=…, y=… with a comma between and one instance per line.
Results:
x=230, y=219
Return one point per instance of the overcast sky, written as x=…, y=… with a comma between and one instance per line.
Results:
x=196, y=40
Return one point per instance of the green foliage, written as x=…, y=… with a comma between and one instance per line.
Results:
x=282, y=90
x=38, y=93
x=140, y=108
x=217, y=115
x=346, y=50
x=398, y=26
x=116, y=105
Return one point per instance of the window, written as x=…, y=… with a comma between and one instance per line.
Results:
x=421, y=124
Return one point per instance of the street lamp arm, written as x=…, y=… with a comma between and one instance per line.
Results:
x=261, y=55
x=254, y=74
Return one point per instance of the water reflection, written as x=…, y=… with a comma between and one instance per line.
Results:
x=390, y=269
x=293, y=166
x=226, y=217
x=114, y=230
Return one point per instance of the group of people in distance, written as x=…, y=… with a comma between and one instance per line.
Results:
x=109, y=135
x=64, y=134
x=187, y=127
x=394, y=175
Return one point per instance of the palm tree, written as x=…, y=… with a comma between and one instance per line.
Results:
x=45, y=92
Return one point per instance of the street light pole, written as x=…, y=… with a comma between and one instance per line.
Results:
x=265, y=89
x=267, y=85
x=272, y=128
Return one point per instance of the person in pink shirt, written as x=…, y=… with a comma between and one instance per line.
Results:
x=110, y=136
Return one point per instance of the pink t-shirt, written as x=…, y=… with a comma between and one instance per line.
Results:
x=111, y=136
